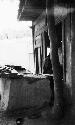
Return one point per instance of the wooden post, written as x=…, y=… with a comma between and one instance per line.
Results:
x=58, y=83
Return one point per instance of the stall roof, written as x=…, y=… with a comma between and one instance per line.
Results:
x=31, y=9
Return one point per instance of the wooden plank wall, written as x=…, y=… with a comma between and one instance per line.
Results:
x=40, y=27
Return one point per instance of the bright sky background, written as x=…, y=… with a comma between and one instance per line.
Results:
x=14, y=50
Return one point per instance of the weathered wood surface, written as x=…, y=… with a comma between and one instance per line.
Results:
x=29, y=92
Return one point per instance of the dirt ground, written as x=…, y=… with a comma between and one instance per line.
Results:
x=44, y=119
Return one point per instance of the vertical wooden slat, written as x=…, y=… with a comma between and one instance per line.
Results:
x=64, y=51
x=39, y=60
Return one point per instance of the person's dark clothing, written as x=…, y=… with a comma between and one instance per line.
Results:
x=47, y=68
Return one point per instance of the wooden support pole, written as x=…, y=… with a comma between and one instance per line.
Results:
x=58, y=82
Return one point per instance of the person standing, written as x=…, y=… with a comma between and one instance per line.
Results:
x=47, y=68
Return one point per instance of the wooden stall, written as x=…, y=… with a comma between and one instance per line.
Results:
x=60, y=17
